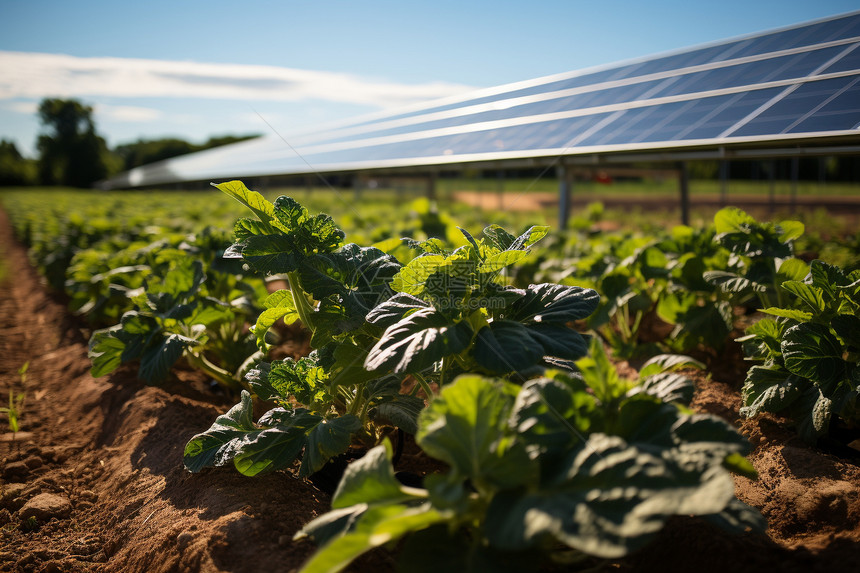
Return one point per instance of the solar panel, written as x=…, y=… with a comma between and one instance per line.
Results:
x=772, y=86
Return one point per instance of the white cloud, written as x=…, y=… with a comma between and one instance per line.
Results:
x=35, y=75
x=26, y=107
x=127, y=113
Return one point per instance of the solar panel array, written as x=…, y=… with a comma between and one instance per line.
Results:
x=797, y=82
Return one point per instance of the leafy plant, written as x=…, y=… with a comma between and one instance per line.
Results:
x=809, y=352
x=382, y=333
x=171, y=320
x=588, y=464
x=13, y=412
x=763, y=257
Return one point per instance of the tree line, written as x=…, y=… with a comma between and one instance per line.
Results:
x=72, y=153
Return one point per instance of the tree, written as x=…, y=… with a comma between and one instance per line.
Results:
x=71, y=152
x=14, y=168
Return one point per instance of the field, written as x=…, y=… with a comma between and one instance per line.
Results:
x=125, y=341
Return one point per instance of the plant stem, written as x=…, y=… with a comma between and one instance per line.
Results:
x=300, y=299
x=425, y=386
x=224, y=378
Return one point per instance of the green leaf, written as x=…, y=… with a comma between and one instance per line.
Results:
x=505, y=346
x=792, y=269
x=549, y=414
x=811, y=295
x=250, y=199
x=847, y=327
x=105, y=351
x=609, y=498
x=791, y=230
x=465, y=427
x=496, y=262
x=394, y=309
x=277, y=444
x=158, y=358
x=554, y=304
x=668, y=387
x=326, y=440
x=798, y=315
x=272, y=254
x=214, y=447
x=770, y=390
x=732, y=219
x=375, y=527
x=499, y=237
x=278, y=305
x=530, y=237
x=371, y=480
x=412, y=277
x=811, y=351
x=668, y=363
x=417, y=341
x=400, y=411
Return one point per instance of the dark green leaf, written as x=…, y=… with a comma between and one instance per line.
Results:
x=161, y=355
x=770, y=390
x=554, y=304
x=811, y=351
x=326, y=440
x=506, y=346
x=417, y=341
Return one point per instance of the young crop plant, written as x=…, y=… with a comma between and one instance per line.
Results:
x=385, y=336
x=172, y=319
x=553, y=471
x=809, y=353
x=763, y=258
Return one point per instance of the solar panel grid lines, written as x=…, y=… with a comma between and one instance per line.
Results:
x=469, y=108
x=823, y=66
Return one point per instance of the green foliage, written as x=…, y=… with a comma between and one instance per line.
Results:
x=173, y=319
x=14, y=168
x=13, y=412
x=809, y=353
x=763, y=257
x=590, y=463
x=378, y=326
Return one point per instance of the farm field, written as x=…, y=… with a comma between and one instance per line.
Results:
x=118, y=407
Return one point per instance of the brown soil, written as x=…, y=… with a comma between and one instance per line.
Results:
x=113, y=448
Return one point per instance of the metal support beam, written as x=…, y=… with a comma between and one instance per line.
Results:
x=500, y=181
x=684, y=188
x=724, y=182
x=564, y=184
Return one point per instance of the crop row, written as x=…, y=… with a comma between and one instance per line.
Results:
x=489, y=351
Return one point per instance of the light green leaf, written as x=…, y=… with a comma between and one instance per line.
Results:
x=464, y=427
x=371, y=480
x=412, y=277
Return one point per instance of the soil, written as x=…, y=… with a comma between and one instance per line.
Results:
x=110, y=452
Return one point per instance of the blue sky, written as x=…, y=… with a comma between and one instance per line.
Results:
x=193, y=69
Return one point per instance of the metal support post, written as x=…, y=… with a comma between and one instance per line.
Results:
x=724, y=182
x=564, y=185
x=684, y=188
x=795, y=172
